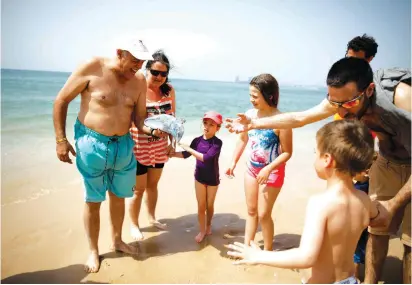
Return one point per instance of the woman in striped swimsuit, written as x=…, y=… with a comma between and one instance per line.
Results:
x=152, y=152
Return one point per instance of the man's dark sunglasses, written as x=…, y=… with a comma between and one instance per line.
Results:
x=157, y=72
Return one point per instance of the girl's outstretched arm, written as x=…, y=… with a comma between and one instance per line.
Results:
x=191, y=151
x=185, y=154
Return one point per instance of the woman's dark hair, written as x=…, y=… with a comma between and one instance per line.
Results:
x=268, y=86
x=350, y=69
x=159, y=56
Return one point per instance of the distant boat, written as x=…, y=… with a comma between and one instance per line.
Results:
x=237, y=80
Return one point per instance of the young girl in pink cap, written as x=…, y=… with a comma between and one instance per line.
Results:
x=268, y=151
x=206, y=149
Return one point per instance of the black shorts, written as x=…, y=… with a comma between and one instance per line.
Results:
x=142, y=169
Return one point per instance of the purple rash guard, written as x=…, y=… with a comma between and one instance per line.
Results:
x=207, y=171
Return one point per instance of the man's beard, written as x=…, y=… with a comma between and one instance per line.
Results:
x=364, y=108
x=350, y=116
x=361, y=112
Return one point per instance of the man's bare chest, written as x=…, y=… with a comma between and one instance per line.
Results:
x=109, y=92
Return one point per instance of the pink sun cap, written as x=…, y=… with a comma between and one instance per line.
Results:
x=215, y=116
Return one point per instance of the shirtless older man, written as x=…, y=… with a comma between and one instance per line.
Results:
x=383, y=102
x=113, y=95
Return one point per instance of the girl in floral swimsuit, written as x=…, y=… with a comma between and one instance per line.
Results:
x=268, y=151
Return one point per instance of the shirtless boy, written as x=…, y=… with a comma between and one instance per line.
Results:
x=336, y=218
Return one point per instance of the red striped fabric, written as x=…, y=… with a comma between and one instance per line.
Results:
x=149, y=150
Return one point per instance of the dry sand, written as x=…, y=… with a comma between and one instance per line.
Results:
x=43, y=239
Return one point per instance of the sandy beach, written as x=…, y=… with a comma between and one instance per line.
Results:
x=43, y=239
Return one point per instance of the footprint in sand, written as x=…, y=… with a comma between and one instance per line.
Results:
x=188, y=227
x=228, y=236
x=233, y=233
x=158, y=225
x=233, y=220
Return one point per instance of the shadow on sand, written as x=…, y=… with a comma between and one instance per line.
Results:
x=179, y=237
x=69, y=274
x=286, y=241
x=180, y=234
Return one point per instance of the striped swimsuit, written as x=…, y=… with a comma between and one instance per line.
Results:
x=150, y=150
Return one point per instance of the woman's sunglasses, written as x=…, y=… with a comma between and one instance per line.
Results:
x=347, y=104
x=157, y=72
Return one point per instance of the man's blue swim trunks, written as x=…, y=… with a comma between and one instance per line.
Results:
x=106, y=163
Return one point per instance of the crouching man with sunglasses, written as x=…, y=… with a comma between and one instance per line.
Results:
x=383, y=102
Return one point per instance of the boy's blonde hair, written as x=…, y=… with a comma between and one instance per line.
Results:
x=350, y=144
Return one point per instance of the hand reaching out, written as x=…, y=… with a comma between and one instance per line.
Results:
x=247, y=254
x=184, y=146
x=239, y=125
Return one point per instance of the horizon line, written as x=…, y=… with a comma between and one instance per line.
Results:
x=193, y=79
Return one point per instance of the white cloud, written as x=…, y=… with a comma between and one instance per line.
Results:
x=180, y=46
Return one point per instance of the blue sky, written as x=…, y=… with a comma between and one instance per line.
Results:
x=295, y=40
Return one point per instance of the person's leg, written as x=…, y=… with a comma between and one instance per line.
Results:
x=357, y=273
x=406, y=240
x=377, y=247
x=407, y=265
x=91, y=219
x=201, y=209
x=93, y=173
x=153, y=177
x=251, y=193
x=134, y=206
x=376, y=251
x=211, y=195
x=359, y=256
x=266, y=200
x=385, y=180
x=117, y=209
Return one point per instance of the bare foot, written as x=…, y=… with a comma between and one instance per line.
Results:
x=200, y=236
x=209, y=230
x=92, y=264
x=136, y=233
x=123, y=247
x=158, y=225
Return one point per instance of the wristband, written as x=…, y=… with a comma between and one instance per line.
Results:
x=151, y=132
x=61, y=140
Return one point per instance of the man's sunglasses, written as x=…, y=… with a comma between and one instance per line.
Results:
x=157, y=72
x=347, y=104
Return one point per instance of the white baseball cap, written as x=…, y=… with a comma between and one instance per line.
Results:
x=137, y=48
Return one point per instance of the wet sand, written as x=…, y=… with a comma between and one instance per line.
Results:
x=43, y=239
